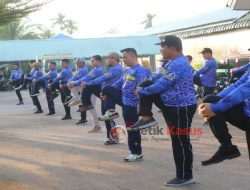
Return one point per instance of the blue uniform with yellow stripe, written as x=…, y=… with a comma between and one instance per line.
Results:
x=128, y=83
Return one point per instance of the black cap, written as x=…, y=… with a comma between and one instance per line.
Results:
x=206, y=50
x=171, y=41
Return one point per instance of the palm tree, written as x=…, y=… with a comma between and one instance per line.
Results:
x=60, y=21
x=11, y=10
x=46, y=33
x=18, y=30
x=71, y=26
x=148, y=22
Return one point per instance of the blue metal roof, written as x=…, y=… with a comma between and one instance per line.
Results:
x=30, y=49
x=221, y=15
x=61, y=36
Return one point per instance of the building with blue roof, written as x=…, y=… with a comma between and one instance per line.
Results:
x=226, y=31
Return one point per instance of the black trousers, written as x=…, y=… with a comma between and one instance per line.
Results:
x=37, y=102
x=86, y=100
x=25, y=83
x=178, y=119
x=50, y=101
x=206, y=90
x=218, y=124
x=130, y=116
x=18, y=92
x=65, y=92
x=87, y=93
x=114, y=96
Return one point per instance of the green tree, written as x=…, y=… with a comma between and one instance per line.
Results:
x=46, y=33
x=19, y=30
x=148, y=22
x=11, y=10
x=60, y=21
x=68, y=25
x=71, y=26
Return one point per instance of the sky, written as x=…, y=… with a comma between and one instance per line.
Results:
x=96, y=17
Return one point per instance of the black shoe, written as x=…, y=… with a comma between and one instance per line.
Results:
x=68, y=100
x=19, y=103
x=176, y=182
x=82, y=122
x=141, y=124
x=222, y=154
x=66, y=117
x=109, y=142
x=38, y=112
x=51, y=113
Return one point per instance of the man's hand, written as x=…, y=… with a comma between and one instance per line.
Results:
x=61, y=86
x=103, y=96
x=83, y=85
x=71, y=85
x=34, y=81
x=49, y=86
x=137, y=91
x=205, y=111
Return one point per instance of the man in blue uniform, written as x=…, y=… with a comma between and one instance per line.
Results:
x=206, y=75
x=61, y=83
x=174, y=94
x=122, y=93
x=95, y=73
x=43, y=82
x=16, y=81
x=94, y=87
x=82, y=71
x=230, y=105
x=28, y=82
x=37, y=73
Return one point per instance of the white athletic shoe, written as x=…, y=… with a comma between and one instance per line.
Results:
x=74, y=103
x=109, y=115
x=133, y=158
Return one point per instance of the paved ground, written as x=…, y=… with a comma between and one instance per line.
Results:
x=44, y=153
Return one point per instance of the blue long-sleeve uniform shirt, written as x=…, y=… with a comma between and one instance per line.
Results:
x=176, y=85
x=81, y=72
x=241, y=69
x=31, y=73
x=16, y=74
x=92, y=75
x=237, y=93
x=35, y=74
x=207, y=73
x=157, y=75
x=128, y=83
x=113, y=75
x=63, y=77
x=51, y=75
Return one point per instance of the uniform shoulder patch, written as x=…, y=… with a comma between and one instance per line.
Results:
x=170, y=75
